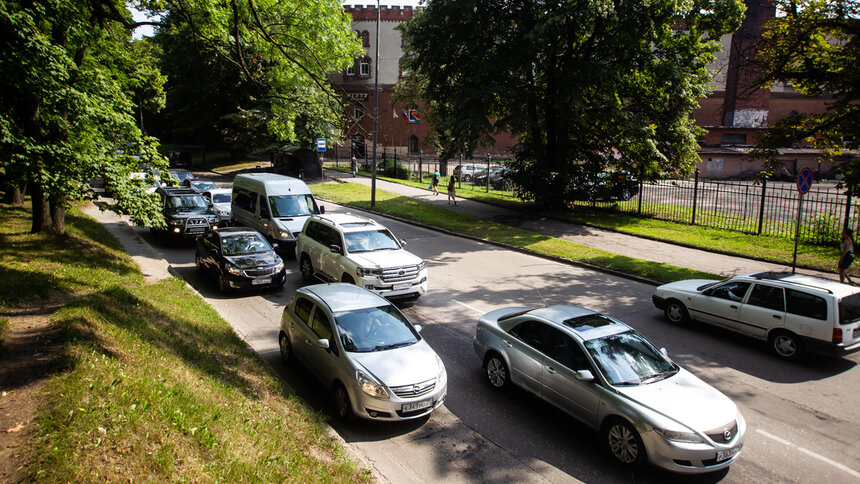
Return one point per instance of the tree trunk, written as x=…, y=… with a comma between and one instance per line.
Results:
x=41, y=210
x=58, y=214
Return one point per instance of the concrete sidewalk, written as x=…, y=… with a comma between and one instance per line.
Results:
x=617, y=243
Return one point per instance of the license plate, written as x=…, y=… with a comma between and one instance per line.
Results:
x=265, y=280
x=411, y=407
x=727, y=454
x=397, y=287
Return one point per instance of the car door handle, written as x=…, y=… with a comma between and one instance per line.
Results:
x=733, y=306
x=508, y=344
x=777, y=316
x=551, y=370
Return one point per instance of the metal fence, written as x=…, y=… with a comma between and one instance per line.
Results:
x=768, y=208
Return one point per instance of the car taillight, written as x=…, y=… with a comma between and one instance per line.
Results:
x=837, y=335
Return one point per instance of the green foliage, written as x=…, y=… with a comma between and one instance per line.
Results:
x=813, y=45
x=584, y=84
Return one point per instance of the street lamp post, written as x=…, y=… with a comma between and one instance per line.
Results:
x=375, y=111
x=488, y=173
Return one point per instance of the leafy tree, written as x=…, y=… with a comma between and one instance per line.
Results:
x=815, y=46
x=586, y=84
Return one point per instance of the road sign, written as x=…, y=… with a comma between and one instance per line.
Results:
x=804, y=180
x=320, y=144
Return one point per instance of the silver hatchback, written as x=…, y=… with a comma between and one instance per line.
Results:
x=604, y=373
x=364, y=350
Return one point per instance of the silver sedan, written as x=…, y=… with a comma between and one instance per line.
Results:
x=364, y=350
x=604, y=373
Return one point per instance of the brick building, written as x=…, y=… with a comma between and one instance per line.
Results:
x=733, y=114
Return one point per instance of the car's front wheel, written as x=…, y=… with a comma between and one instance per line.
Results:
x=497, y=371
x=223, y=285
x=623, y=442
x=786, y=345
x=306, y=268
x=347, y=279
x=341, y=402
x=675, y=312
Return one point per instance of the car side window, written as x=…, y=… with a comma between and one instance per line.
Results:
x=264, y=208
x=321, y=326
x=332, y=237
x=313, y=231
x=212, y=240
x=244, y=199
x=533, y=334
x=732, y=291
x=805, y=304
x=767, y=297
x=303, y=309
x=564, y=350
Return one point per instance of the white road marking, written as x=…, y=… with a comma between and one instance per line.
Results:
x=469, y=307
x=810, y=453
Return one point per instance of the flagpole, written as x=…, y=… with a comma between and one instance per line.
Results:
x=375, y=111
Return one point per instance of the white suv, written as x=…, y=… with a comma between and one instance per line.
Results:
x=793, y=313
x=358, y=250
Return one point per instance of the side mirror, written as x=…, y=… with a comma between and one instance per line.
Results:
x=322, y=208
x=417, y=328
x=584, y=375
x=335, y=248
x=665, y=353
x=275, y=246
x=323, y=343
x=403, y=242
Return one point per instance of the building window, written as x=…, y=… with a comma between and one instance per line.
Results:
x=364, y=67
x=734, y=139
x=413, y=145
x=350, y=69
x=365, y=38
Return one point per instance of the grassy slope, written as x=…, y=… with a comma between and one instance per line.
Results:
x=158, y=387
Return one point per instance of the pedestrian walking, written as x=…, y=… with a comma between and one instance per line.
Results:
x=435, y=183
x=847, y=255
x=353, y=166
x=451, y=195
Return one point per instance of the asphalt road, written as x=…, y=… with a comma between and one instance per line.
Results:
x=804, y=419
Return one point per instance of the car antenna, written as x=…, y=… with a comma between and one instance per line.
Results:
x=541, y=298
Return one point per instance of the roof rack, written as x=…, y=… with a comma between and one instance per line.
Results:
x=781, y=276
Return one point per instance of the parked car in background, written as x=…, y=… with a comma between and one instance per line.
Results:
x=358, y=250
x=499, y=178
x=607, y=185
x=199, y=184
x=792, y=312
x=179, y=159
x=220, y=199
x=364, y=350
x=608, y=376
x=179, y=175
x=186, y=212
x=468, y=170
x=239, y=258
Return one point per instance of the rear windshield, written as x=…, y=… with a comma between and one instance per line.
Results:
x=849, y=309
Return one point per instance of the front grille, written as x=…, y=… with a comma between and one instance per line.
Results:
x=416, y=390
x=719, y=435
x=194, y=225
x=267, y=271
x=399, y=274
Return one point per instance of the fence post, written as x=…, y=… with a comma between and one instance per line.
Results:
x=695, y=196
x=847, y=222
x=641, y=186
x=761, y=206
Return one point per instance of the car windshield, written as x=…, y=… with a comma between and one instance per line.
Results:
x=221, y=198
x=629, y=359
x=293, y=205
x=370, y=240
x=244, y=244
x=188, y=202
x=374, y=329
x=203, y=185
x=182, y=175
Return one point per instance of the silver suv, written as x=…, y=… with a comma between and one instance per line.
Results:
x=357, y=250
x=792, y=312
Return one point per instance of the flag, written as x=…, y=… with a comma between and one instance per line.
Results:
x=411, y=116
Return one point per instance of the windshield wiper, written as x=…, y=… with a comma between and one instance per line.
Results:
x=660, y=376
x=392, y=346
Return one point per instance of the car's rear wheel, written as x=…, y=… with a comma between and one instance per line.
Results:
x=285, y=347
x=676, y=313
x=786, y=345
x=467, y=178
x=625, y=194
x=497, y=371
x=341, y=403
x=623, y=442
x=306, y=268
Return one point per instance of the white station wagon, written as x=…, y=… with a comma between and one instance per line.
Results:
x=793, y=313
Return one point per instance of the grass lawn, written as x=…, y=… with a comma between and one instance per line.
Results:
x=153, y=385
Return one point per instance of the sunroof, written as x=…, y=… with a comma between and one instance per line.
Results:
x=589, y=321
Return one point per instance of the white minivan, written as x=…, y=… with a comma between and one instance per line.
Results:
x=274, y=205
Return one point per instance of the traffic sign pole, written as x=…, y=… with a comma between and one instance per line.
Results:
x=804, y=183
x=797, y=233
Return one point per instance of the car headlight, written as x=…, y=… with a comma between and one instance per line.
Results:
x=176, y=221
x=370, y=387
x=679, y=436
x=279, y=266
x=233, y=269
x=442, y=377
x=421, y=265
x=284, y=234
x=361, y=271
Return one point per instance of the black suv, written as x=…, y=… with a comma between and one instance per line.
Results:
x=186, y=212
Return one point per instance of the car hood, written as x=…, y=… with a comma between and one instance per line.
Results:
x=385, y=258
x=690, y=285
x=254, y=260
x=686, y=399
x=400, y=366
x=293, y=224
x=224, y=207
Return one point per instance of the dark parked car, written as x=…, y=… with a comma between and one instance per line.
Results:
x=179, y=176
x=239, y=258
x=499, y=178
x=607, y=185
x=186, y=212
